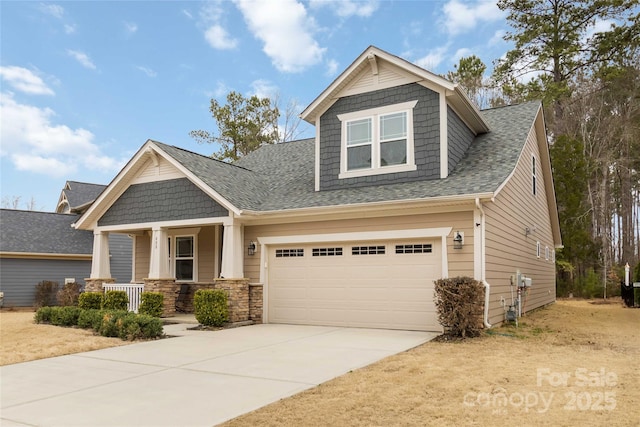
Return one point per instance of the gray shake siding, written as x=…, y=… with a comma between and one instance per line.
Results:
x=168, y=200
x=459, y=138
x=426, y=120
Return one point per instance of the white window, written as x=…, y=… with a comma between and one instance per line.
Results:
x=377, y=141
x=546, y=253
x=538, y=249
x=182, y=260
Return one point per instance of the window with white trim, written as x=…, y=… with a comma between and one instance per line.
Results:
x=182, y=260
x=546, y=253
x=377, y=141
x=538, y=249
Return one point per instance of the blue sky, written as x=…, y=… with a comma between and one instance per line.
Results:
x=85, y=84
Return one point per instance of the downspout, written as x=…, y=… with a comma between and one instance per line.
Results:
x=487, y=287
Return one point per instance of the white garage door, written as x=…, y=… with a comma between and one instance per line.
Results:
x=385, y=284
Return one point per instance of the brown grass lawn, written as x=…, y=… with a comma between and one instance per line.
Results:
x=575, y=363
x=22, y=340
x=572, y=364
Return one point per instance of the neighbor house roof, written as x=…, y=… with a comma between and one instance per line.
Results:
x=281, y=176
x=80, y=193
x=42, y=233
x=77, y=196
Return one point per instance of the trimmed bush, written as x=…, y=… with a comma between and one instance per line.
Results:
x=65, y=316
x=90, y=319
x=108, y=323
x=210, y=306
x=68, y=295
x=58, y=316
x=43, y=315
x=115, y=300
x=459, y=301
x=151, y=303
x=45, y=294
x=90, y=300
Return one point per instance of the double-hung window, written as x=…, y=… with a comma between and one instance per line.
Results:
x=182, y=260
x=377, y=141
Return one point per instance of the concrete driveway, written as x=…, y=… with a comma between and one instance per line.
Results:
x=195, y=379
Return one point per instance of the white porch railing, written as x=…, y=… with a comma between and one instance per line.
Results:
x=133, y=290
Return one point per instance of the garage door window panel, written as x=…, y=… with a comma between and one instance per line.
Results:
x=367, y=250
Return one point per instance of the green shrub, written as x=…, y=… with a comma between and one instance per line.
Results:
x=151, y=304
x=108, y=323
x=210, y=306
x=459, y=302
x=65, y=316
x=115, y=300
x=90, y=319
x=45, y=294
x=69, y=294
x=43, y=315
x=90, y=300
x=58, y=316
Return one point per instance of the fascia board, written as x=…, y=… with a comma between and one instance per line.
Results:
x=363, y=207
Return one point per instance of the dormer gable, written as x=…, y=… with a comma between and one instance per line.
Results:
x=385, y=120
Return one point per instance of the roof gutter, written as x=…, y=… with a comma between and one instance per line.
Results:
x=359, y=206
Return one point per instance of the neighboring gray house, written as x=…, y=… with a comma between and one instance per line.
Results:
x=37, y=246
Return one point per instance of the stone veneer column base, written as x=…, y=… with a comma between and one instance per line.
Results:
x=169, y=290
x=95, y=285
x=238, y=293
x=255, y=302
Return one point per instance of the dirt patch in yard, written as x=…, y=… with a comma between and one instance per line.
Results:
x=21, y=340
x=573, y=363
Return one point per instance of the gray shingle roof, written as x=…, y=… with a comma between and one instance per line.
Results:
x=281, y=176
x=42, y=232
x=80, y=193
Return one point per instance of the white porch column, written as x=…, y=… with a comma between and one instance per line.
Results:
x=232, y=252
x=159, y=262
x=100, y=265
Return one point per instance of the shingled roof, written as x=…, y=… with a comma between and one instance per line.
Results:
x=281, y=176
x=42, y=233
x=80, y=193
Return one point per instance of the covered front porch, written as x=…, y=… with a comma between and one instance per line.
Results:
x=178, y=258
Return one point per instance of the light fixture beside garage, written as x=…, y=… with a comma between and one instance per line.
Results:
x=458, y=240
x=251, y=248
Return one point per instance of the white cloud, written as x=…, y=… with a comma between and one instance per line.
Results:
x=186, y=13
x=431, y=60
x=24, y=80
x=264, y=89
x=286, y=32
x=69, y=28
x=462, y=17
x=348, y=8
x=461, y=53
x=215, y=34
x=54, y=10
x=332, y=67
x=498, y=37
x=130, y=28
x=33, y=143
x=82, y=58
x=218, y=38
x=598, y=27
x=148, y=71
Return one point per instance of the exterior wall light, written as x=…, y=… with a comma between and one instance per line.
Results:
x=458, y=240
x=251, y=248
